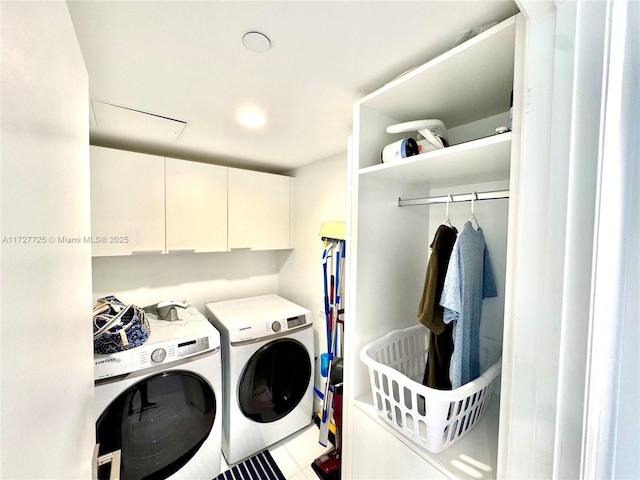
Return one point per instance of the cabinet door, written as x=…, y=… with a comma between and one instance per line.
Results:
x=127, y=202
x=259, y=210
x=196, y=195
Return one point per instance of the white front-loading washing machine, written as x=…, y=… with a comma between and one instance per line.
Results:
x=160, y=403
x=268, y=362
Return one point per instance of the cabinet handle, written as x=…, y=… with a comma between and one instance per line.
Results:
x=146, y=252
x=182, y=250
x=233, y=249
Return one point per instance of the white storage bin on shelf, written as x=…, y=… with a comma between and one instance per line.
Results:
x=432, y=419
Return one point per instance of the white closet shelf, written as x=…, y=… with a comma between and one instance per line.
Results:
x=473, y=457
x=482, y=160
x=469, y=82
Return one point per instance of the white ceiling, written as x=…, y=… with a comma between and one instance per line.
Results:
x=185, y=60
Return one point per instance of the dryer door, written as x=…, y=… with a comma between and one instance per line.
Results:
x=159, y=424
x=274, y=380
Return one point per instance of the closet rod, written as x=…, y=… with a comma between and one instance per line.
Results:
x=462, y=197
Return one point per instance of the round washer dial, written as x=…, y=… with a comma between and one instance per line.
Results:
x=158, y=355
x=275, y=326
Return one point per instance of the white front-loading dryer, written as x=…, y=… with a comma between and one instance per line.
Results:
x=268, y=362
x=160, y=403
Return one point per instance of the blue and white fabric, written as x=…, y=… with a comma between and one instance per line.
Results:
x=118, y=327
x=469, y=280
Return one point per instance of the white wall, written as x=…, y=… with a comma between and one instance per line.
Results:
x=197, y=278
x=559, y=418
x=628, y=421
x=627, y=452
x=319, y=195
x=610, y=447
x=528, y=402
x=46, y=387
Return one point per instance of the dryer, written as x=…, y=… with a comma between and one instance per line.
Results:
x=160, y=403
x=268, y=370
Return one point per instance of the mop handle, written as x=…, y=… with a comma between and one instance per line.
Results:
x=327, y=312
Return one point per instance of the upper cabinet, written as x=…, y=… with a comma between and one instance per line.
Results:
x=127, y=202
x=196, y=203
x=145, y=204
x=259, y=210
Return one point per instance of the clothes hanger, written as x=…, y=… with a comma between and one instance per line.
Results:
x=473, y=219
x=447, y=222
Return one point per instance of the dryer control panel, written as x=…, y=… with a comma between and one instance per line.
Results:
x=257, y=318
x=285, y=324
x=264, y=330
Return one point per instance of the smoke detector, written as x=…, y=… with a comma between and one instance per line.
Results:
x=256, y=42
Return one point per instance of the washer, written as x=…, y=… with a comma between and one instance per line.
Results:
x=160, y=403
x=268, y=362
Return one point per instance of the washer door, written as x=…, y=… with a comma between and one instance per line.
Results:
x=274, y=380
x=158, y=423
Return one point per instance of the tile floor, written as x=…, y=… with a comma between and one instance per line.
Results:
x=295, y=454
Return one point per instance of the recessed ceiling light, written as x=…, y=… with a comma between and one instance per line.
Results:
x=251, y=117
x=256, y=42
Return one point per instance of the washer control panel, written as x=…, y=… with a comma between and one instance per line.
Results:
x=158, y=355
x=186, y=349
x=169, y=342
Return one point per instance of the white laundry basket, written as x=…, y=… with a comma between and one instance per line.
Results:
x=433, y=419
